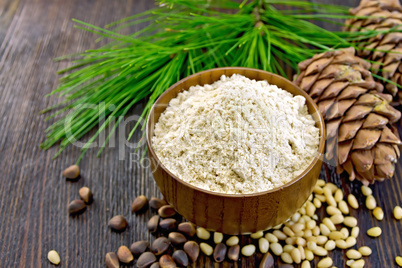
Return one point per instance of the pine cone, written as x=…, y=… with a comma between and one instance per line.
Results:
x=360, y=137
x=387, y=54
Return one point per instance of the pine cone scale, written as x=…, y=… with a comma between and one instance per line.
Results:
x=383, y=49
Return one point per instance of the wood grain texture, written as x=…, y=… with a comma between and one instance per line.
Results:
x=33, y=194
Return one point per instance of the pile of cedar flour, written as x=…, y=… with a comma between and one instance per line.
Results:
x=236, y=136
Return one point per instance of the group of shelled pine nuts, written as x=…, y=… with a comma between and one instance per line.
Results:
x=296, y=241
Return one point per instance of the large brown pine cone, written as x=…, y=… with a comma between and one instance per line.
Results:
x=360, y=137
x=385, y=50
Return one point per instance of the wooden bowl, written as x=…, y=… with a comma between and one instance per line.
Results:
x=234, y=213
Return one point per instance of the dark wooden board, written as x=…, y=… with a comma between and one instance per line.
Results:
x=33, y=194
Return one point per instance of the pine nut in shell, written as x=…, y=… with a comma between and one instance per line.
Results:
x=118, y=223
x=139, y=247
x=160, y=245
x=53, y=257
x=146, y=259
x=267, y=261
x=166, y=211
x=177, y=238
x=397, y=213
x=72, y=172
x=156, y=203
x=374, y=232
x=234, y=252
x=168, y=224
x=76, y=207
x=124, y=254
x=325, y=263
x=153, y=224
x=111, y=260
x=353, y=201
x=86, y=195
x=192, y=249
x=139, y=203
x=365, y=251
x=166, y=261
x=180, y=257
x=188, y=229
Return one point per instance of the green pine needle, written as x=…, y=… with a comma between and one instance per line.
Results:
x=183, y=37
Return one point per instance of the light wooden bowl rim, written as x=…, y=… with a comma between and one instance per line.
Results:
x=321, y=126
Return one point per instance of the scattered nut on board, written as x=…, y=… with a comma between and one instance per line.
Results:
x=53, y=257
x=72, y=172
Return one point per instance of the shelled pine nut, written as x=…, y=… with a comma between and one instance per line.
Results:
x=353, y=201
x=378, y=213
